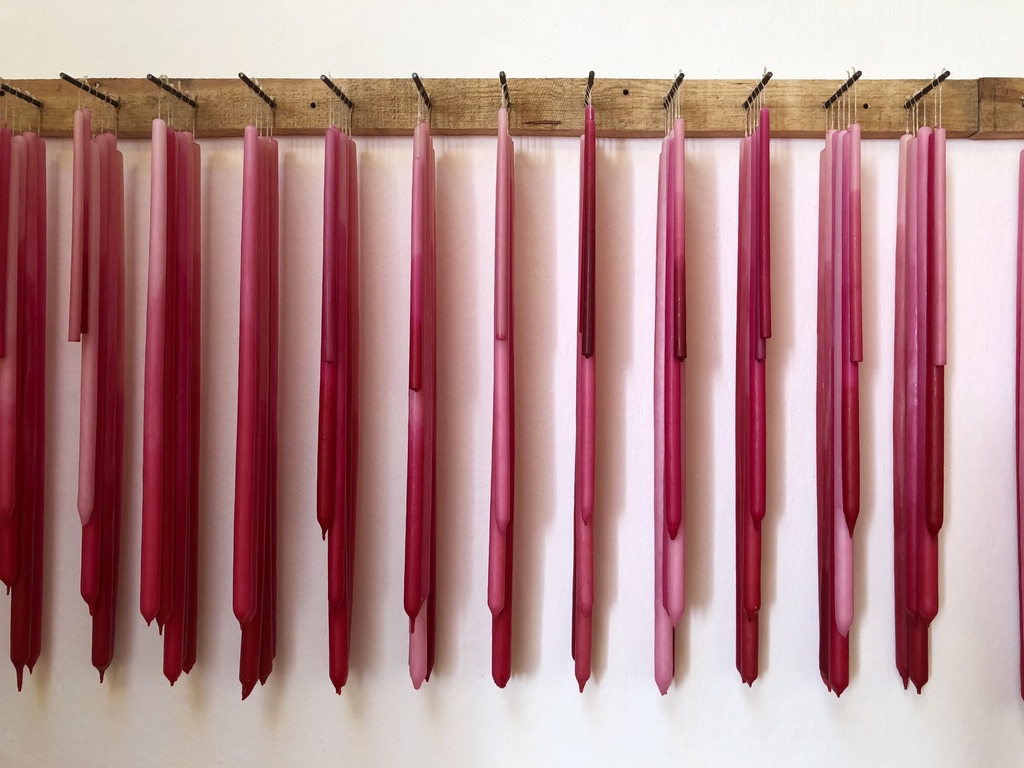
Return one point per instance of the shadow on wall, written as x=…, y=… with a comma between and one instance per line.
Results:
x=613, y=345
x=534, y=282
x=704, y=363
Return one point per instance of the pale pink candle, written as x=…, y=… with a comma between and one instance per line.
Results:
x=195, y=330
x=673, y=388
x=352, y=304
x=899, y=419
x=823, y=424
x=664, y=634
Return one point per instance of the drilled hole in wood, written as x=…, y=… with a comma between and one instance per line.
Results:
x=625, y=91
x=312, y=105
x=865, y=105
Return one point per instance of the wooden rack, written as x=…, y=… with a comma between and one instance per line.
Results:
x=989, y=108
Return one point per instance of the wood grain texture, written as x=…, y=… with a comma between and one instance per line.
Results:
x=552, y=107
x=1001, y=109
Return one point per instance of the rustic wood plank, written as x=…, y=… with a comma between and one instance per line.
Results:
x=1001, y=108
x=552, y=107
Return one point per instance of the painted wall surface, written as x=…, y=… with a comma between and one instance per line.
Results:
x=970, y=713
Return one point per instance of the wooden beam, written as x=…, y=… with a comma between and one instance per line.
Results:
x=1001, y=109
x=548, y=107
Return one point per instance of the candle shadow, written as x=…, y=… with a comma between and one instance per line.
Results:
x=382, y=396
x=614, y=351
x=53, y=431
x=703, y=362
x=463, y=437
x=127, y=566
x=535, y=315
x=869, y=370
x=213, y=465
x=779, y=355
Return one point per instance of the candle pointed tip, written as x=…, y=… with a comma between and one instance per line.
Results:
x=918, y=686
x=500, y=680
x=21, y=676
x=247, y=688
x=582, y=680
x=102, y=672
x=663, y=687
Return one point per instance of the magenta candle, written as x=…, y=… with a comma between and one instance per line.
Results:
x=499, y=581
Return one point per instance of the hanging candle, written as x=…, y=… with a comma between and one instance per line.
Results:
x=753, y=328
x=840, y=350
x=97, y=286
x=499, y=570
x=586, y=379
x=339, y=391
x=420, y=596
x=22, y=387
x=918, y=381
x=171, y=399
x=255, y=537
x=1020, y=411
x=669, y=400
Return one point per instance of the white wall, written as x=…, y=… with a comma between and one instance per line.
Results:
x=971, y=712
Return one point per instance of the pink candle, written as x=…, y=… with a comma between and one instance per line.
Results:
x=5, y=204
x=1020, y=411
x=763, y=137
x=420, y=523
x=87, y=472
x=499, y=593
x=17, y=188
x=78, y=313
x=153, y=401
x=195, y=332
x=245, y=555
x=36, y=385
x=326, y=443
x=900, y=363
x=674, y=385
x=586, y=405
